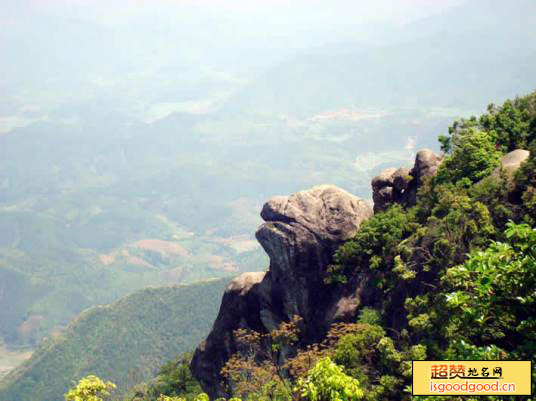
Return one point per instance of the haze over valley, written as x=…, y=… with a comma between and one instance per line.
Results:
x=139, y=140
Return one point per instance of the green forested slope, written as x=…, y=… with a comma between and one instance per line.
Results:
x=125, y=342
x=451, y=277
x=455, y=273
x=80, y=189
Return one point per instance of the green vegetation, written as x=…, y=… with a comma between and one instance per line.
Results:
x=125, y=342
x=174, y=379
x=510, y=126
x=473, y=156
x=374, y=245
x=454, y=277
x=328, y=382
x=493, y=297
x=90, y=388
x=526, y=186
x=456, y=271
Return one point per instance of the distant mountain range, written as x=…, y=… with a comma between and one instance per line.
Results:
x=481, y=50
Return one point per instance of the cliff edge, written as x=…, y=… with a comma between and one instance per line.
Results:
x=300, y=234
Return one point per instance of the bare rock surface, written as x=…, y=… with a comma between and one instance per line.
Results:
x=400, y=185
x=330, y=212
x=300, y=234
x=426, y=164
x=511, y=162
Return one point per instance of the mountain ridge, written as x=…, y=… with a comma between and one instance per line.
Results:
x=126, y=341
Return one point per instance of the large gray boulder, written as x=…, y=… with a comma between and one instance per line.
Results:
x=300, y=234
x=330, y=212
x=426, y=164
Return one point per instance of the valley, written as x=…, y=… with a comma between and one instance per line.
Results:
x=137, y=150
x=10, y=359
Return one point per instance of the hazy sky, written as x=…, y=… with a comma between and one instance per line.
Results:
x=305, y=11
x=239, y=19
x=161, y=43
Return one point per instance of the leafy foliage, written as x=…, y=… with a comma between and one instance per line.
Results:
x=327, y=382
x=494, y=299
x=474, y=145
x=198, y=397
x=509, y=127
x=90, y=388
x=473, y=156
x=174, y=381
x=526, y=185
x=374, y=245
x=457, y=270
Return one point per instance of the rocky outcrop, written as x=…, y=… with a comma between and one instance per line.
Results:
x=426, y=165
x=300, y=234
x=511, y=162
x=400, y=185
x=389, y=186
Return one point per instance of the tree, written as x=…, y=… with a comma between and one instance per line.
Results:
x=327, y=382
x=510, y=126
x=175, y=378
x=199, y=397
x=473, y=156
x=254, y=372
x=90, y=388
x=374, y=245
x=493, y=299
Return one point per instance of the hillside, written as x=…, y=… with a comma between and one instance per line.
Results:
x=154, y=169
x=92, y=228
x=125, y=204
x=444, y=269
x=126, y=341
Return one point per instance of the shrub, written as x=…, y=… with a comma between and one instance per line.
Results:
x=90, y=388
x=327, y=382
x=472, y=156
x=374, y=245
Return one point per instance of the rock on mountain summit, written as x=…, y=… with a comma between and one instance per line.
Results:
x=400, y=185
x=300, y=234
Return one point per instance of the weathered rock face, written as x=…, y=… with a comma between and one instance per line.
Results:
x=400, y=185
x=300, y=234
x=511, y=162
x=240, y=307
x=382, y=189
x=426, y=164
